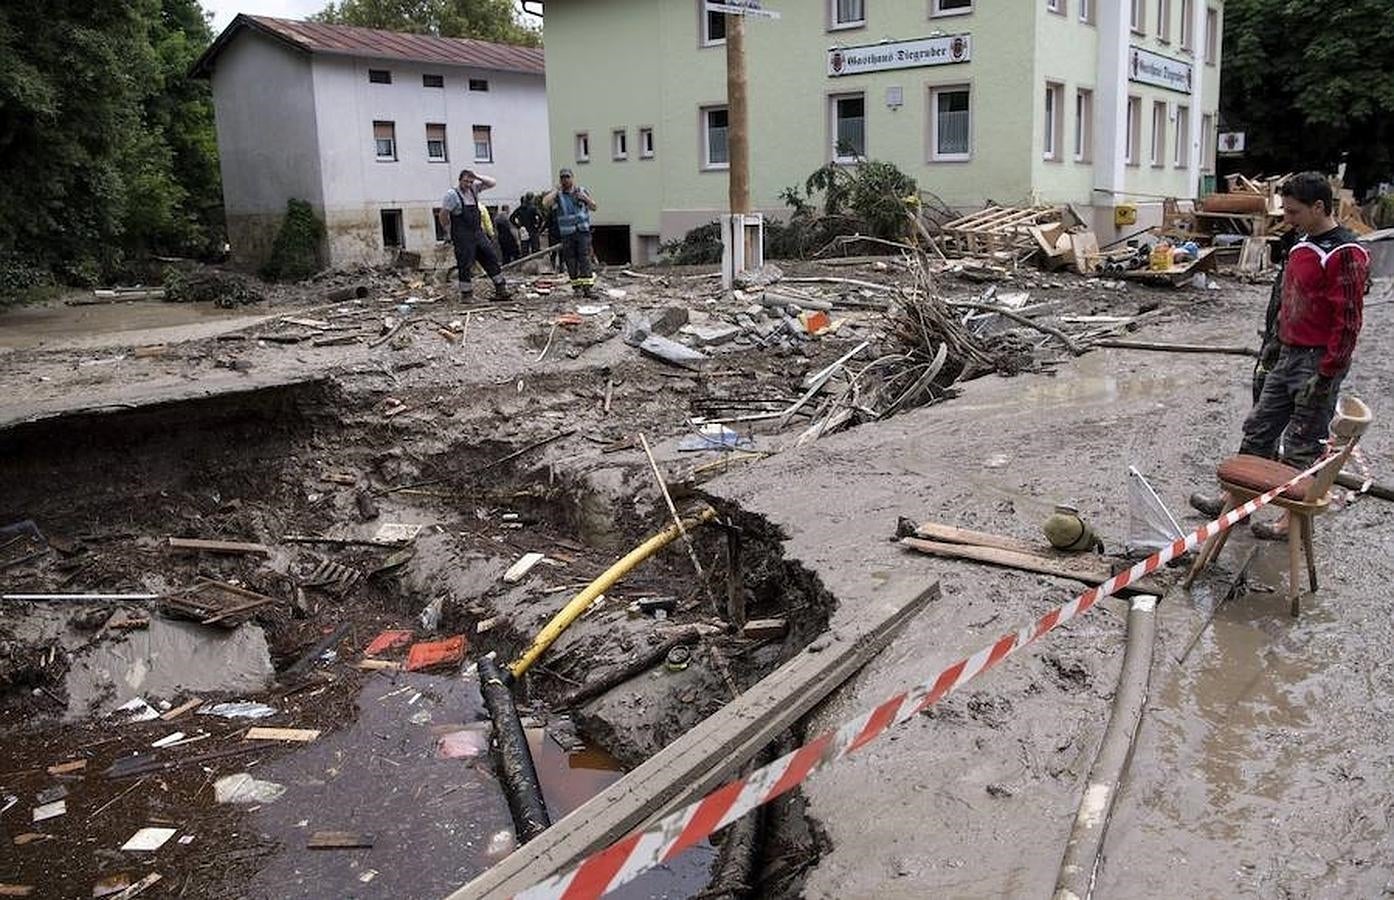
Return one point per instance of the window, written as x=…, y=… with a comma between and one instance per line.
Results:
x=1159, y=133
x=1164, y=21
x=479, y=84
x=1137, y=16
x=1207, y=143
x=619, y=143
x=849, y=127
x=1086, y=11
x=442, y=233
x=385, y=140
x=1212, y=36
x=949, y=124
x=848, y=13
x=950, y=7
x=1084, y=124
x=435, y=142
x=1181, y=152
x=716, y=154
x=433, y=81
x=1054, y=114
x=1133, y=138
x=583, y=147
x=483, y=144
x=379, y=76
x=1188, y=32
x=713, y=26
x=646, y=143
x=392, y=228
x=1056, y=6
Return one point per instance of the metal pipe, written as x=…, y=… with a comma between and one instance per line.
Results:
x=1080, y=865
x=582, y=601
x=512, y=756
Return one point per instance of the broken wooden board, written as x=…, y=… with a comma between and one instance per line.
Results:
x=182, y=708
x=68, y=768
x=262, y=733
x=520, y=569
x=1086, y=568
x=1205, y=262
x=211, y=602
x=339, y=840
x=706, y=757
x=177, y=543
x=951, y=534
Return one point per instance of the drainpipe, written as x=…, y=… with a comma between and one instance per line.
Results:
x=1083, y=853
x=512, y=757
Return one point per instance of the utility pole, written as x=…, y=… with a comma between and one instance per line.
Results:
x=737, y=115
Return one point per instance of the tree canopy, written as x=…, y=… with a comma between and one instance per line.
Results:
x=488, y=20
x=1311, y=84
x=107, y=146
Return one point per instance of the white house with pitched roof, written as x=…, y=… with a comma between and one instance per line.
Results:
x=369, y=127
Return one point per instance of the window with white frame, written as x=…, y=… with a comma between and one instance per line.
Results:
x=1207, y=143
x=619, y=143
x=713, y=26
x=483, y=143
x=950, y=123
x=848, y=13
x=849, y=127
x=646, y=143
x=1055, y=6
x=1159, y=133
x=1054, y=113
x=1137, y=16
x=1164, y=21
x=1181, y=151
x=716, y=152
x=1132, y=138
x=1084, y=124
x=1086, y=11
x=583, y=146
x=950, y=7
x=1188, y=32
x=435, y=142
x=1212, y=35
x=385, y=141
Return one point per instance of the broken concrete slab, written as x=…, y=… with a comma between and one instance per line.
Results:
x=672, y=352
x=712, y=335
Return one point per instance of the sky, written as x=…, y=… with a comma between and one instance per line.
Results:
x=224, y=10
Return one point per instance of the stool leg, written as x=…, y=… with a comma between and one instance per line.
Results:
x=1307, y=525
x=1211, y=549
x=1294, y=565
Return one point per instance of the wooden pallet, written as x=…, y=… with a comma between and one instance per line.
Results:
x=211, y=602
x=996, y=229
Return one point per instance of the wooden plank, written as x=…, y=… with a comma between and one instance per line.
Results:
x=176, y=543
x=950, y=534
x=261, y=733
x=182, y=708
x=68, y=768
x=704, y=758
x=1087, y=569
x=339, y=840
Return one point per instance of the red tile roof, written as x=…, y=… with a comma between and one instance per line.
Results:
x=349, y=40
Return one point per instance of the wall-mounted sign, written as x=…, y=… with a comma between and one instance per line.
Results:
x=1230, y=142
x=741, y=8
x=936, y=51
x=1146, y=67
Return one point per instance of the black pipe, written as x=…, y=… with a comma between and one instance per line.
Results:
x=512, y=757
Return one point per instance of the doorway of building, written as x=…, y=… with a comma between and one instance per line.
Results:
x=392, y=228
x=611, y=243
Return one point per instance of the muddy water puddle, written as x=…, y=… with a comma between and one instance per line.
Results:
x=38, y=326
x=1094, y=379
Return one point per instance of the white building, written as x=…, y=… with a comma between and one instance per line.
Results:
x=370, y=127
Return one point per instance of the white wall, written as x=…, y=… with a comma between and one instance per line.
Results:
x=357, y=185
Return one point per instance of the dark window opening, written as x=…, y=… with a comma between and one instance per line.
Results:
x=392, y=228
x=442, y=233
x=479, y=84
x=611, y=244
x=433, y=81
x=379, y=76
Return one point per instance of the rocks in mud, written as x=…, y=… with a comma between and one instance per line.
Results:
x=767, y=274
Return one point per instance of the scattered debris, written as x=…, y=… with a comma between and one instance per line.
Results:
x=53, y=810
x=450, y=651
x=387, y=640
x=243, y=788
x=300, y=735
x=149, y=839
x=339, y=840
x=232, y=547
x=520, y=569
x=241, y=709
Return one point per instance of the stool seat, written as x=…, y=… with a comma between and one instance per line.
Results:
x=1260, y=475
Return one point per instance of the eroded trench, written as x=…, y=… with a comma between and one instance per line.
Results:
x=401, y=760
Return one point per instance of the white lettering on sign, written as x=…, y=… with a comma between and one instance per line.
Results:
x=1146, y=67
x=741, y=8
x=936, y=51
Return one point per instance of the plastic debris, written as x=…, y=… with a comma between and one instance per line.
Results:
x=149, y=839
x=50, y=810
x=240, y=709
x=243, y=788
x=169, y=739
x=501, y=843
x=436, y=653
x=136, y=710
x=467, y=743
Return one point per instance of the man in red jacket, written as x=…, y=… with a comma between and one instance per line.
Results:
x=1323, y=296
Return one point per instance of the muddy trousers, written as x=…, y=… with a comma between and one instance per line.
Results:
x=1278, y=416
x=472, y=243
x=576, y=251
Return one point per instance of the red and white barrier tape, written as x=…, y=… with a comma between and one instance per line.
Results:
x=642, y=850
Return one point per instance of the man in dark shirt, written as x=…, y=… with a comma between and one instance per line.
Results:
x=528, y=218
x=508, y=243
x=1319, y=316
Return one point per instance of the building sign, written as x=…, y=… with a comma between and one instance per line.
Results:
x=1231, y=143
x=741, y=8
x=1146, y=67
x=936, y=51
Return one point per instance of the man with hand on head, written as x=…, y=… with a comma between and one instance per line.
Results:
x=462, y=216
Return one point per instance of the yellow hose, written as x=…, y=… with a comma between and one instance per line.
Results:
x=582, y=601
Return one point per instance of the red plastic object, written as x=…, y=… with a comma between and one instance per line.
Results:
x=387, y=641
x=436, y=653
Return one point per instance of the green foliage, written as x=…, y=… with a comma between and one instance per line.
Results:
x=1384, y=211
x=1311, y=84
x=873, y=191
x=295, y=254
x=486, y=20
x=106, y=145
x=699, y=247
x=202, y=284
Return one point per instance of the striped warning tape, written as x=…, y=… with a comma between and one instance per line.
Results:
x=642, y=850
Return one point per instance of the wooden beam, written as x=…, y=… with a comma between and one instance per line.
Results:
x=738, y=117
x=176, y=543
x=701, y=760
x=1086, y=568
x=950, y=534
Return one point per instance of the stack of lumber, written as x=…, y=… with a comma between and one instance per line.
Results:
x=996, y=229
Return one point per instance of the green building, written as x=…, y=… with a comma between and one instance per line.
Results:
x=1097, y=103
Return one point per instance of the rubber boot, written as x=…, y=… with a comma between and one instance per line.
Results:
x=501, y=291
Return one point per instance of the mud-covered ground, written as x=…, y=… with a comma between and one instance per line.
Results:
x=505, y=429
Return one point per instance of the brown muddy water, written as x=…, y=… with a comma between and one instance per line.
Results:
x=143, y=321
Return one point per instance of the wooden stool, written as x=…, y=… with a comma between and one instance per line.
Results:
x=1245, y=477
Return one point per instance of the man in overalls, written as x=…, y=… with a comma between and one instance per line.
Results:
x=573, y=208
x=460, y=213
